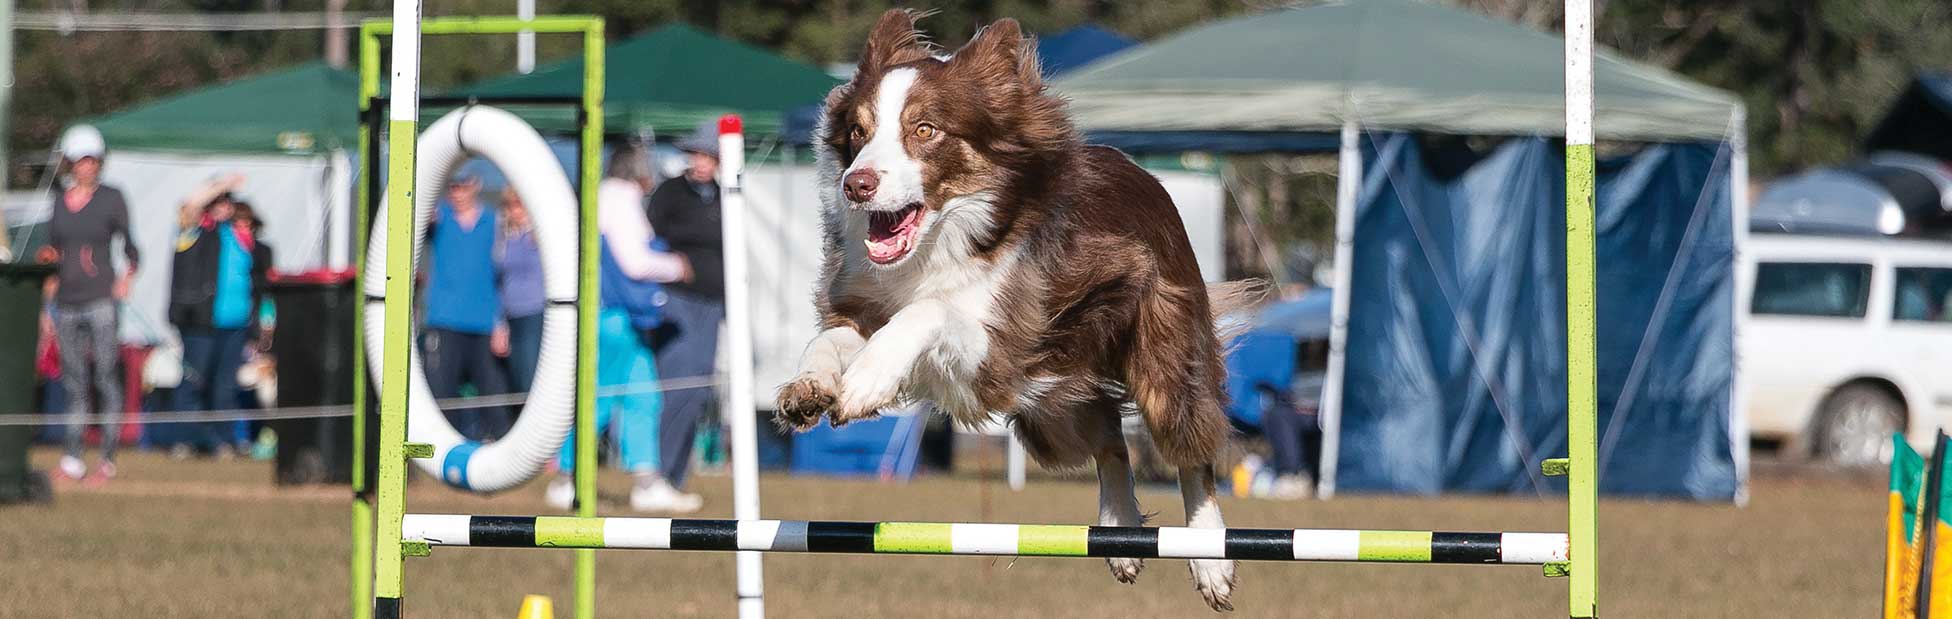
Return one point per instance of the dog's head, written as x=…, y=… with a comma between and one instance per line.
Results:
x=924, y=145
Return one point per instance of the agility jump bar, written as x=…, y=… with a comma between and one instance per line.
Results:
x=1025, y=540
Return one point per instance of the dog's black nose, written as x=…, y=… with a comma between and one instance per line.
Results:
x=860, y=185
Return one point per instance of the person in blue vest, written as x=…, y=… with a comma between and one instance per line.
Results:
x=217, y=283
x=635, y=265
x=462, y=307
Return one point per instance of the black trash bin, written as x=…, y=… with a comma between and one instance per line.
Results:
x=20, y=312
x=313, y=346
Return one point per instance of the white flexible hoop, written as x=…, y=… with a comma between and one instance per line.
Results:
x=532, y=169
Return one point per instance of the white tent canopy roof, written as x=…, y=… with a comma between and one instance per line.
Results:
x=1386, y=64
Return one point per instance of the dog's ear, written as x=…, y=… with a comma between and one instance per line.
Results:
x=1001, y=54
x=894, y=41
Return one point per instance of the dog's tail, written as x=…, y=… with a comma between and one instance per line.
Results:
x=1229, y=301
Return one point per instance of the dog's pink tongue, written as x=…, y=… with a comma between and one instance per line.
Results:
x=887, y=249
x=910, y=219
x=901, y=238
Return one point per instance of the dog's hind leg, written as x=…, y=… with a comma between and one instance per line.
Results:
x=1214, y=578
x=1118, y=501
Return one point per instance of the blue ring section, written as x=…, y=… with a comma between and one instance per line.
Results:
x=454, y=467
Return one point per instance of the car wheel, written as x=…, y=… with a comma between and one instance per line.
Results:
x=1857, y=424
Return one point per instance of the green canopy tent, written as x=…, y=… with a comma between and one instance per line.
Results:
x=1314, y=78
x=308, y=109
x=670, y=80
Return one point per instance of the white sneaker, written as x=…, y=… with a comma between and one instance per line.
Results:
x=73, y=468
x=561, y=493
x=656, y=495
x=1293, y=487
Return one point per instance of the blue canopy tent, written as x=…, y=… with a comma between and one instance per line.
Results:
x=1058, y=54
x=1447, y=368
x=1072, y=49
x=1920, y=121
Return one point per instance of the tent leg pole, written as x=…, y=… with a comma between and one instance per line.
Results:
x=1738, y=209
x=1348, y=182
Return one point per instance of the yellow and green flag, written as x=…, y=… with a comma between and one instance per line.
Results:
x=1916, y=533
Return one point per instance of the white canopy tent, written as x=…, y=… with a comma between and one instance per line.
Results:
x=1399, y=66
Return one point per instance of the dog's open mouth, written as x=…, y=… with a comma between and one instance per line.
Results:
x=892, y=234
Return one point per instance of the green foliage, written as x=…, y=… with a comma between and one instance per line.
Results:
x=1815, y=73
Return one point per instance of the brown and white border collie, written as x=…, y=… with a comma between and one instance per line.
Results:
x=980, y=257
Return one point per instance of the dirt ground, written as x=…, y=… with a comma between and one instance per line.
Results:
x=210, y=539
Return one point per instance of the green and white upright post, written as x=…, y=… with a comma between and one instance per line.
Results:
x=362, y=489
x=1582, y=367
x=402, y=115
x=378, y=578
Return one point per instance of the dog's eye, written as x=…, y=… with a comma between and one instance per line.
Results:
x=856, y=133
x=926, y=131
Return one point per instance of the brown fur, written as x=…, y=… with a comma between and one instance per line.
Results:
x=1103, y=310
x=1144, y=326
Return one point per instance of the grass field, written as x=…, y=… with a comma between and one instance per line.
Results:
x=208, y=539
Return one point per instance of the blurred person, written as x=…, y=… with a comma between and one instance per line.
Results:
x=518, y=264
x=631, y=298
x=217, y=284
x=462, y=307
x=86, y=219
x=1291, y=421
x=685, y=213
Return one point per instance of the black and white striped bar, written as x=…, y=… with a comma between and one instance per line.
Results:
x=1028, y=540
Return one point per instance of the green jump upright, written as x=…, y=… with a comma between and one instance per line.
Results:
x=378, y=575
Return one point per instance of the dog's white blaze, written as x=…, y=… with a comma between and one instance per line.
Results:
x=901, y=175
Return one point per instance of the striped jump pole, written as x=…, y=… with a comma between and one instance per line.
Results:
x=1024, y=540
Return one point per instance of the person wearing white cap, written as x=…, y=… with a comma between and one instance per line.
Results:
x=81, y=232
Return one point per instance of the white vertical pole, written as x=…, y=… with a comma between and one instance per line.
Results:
x=405, y=92
x=738, y=341
x=1015, y=460
x=6, y=88
x=1348, y=181
x=338, y=210
x=1738, y=209
x=525, y=40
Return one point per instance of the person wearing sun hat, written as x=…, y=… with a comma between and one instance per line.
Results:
x=87, y=217
x=685, y=213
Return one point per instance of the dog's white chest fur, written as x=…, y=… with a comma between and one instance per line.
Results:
x=945, y=295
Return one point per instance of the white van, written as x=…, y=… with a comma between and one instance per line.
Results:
x=1848, y=340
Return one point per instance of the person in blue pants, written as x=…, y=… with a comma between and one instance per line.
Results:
x=631, y=298
x=218, y=277
x=462, y=307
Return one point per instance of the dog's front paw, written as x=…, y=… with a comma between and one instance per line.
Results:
x=1126, y=569
x=803, y=401
x=871, y=384
x=1214, y=578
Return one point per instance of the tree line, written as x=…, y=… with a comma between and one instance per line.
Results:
x=1816, y=74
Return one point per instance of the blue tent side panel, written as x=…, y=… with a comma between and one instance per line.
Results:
x=1456, y=350
x=1068, y=50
